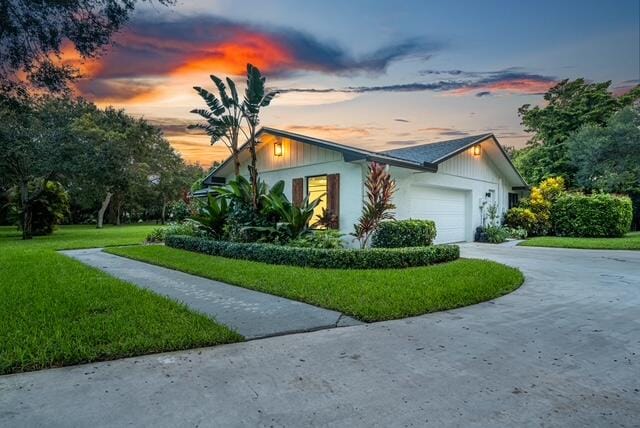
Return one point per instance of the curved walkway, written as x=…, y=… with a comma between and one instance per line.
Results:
x=563, y=350
x=251, y=313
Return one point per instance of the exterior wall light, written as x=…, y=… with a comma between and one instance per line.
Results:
x=277, y=149
x=476, y=150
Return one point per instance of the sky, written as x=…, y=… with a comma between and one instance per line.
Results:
x=373, y=74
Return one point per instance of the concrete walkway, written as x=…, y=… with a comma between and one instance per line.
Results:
x=562, y=351
x=250, y=313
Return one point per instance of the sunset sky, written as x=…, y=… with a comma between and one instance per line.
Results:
x=373, y=74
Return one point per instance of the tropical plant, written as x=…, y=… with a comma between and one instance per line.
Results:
x=327, y=239
x=255, y=97
x=326, y=219
x=293, y=220
x=212, y=215
x=223, y=119
x=48, y=207
x=378, y=207
x=225, y=116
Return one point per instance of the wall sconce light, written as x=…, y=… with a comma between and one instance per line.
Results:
x=277, y=149
x=476, y=150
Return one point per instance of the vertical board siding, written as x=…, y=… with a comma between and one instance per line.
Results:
x=467, y=165
x=294, y=154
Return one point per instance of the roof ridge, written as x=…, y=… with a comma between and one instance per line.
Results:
x=476, y=138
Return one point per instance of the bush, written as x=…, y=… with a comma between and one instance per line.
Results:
x=516, y=233
x=493, y=234
x=599, y=215
x=330, y=239
x=496, y=234
x=534, y=212
x=186, y=228
x=404, y=233
x=156, y=235
x=521, y=218
x=376, y=258
x=178, y=211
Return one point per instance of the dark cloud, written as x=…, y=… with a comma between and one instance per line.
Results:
x=483, y=94
x=399, y=119
x=152, y=47
x=115, y=90
x=508, y=80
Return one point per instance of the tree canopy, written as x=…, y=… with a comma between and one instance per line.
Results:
x=569, y=105
x=33, y=35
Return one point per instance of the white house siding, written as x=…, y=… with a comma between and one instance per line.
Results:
x=303, y=160
x=474, y=175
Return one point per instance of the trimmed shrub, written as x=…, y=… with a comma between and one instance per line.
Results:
x=404, y=233
x=599, y=215
x=376, y=258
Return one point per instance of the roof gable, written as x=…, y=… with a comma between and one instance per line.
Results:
x=425, y=157
x=436, y=152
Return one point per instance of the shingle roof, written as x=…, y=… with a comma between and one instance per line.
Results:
x=434, y=152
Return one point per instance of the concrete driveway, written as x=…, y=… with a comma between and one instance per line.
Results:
x=563, y=350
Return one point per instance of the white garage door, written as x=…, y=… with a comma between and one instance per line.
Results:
x=447, y=207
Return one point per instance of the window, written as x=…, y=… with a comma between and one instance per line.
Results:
x=317, y=188
x=513, y=200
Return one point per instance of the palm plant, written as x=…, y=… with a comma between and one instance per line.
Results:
x=223, y=119
x=378, y=207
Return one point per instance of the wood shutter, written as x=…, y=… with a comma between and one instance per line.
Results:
x=333, y=198
x=297, y=191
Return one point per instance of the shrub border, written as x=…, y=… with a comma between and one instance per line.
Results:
x=374, y=258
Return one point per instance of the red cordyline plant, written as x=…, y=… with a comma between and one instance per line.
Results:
x=378, y=207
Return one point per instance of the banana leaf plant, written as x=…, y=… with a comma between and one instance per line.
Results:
x=293, y=220
x=212, y=215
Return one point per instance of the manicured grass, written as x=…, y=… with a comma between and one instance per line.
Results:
x=369, y=295
x=57, y=311
x=629, y=242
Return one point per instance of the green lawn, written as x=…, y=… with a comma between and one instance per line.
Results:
x=57, y=311
x=369, y=295
x=630, y=242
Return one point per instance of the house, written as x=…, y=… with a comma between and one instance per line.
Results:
x=450, y=182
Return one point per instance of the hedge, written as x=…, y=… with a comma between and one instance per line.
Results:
x=599, y=215
x=404, y=233
x=375, y=258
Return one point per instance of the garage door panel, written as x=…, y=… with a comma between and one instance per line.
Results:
x=446, y=207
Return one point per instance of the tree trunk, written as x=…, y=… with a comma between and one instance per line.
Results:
x=103, y=208
x=164, y=211
x=253, y=170
x=26, y=214
x=118, y=212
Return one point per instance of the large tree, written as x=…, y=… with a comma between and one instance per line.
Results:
x=607, y=158
x=568, y=106
x=37, y=147
x=33, y=35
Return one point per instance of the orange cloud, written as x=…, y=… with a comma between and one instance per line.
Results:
x=232, y=57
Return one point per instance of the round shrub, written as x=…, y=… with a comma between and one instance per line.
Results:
x=404, y=233
x=599, y=215
x=374, y=258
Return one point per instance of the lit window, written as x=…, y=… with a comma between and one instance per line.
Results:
x=317, y=188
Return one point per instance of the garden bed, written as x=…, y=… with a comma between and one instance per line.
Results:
x=375, y=258
x=366, y=294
